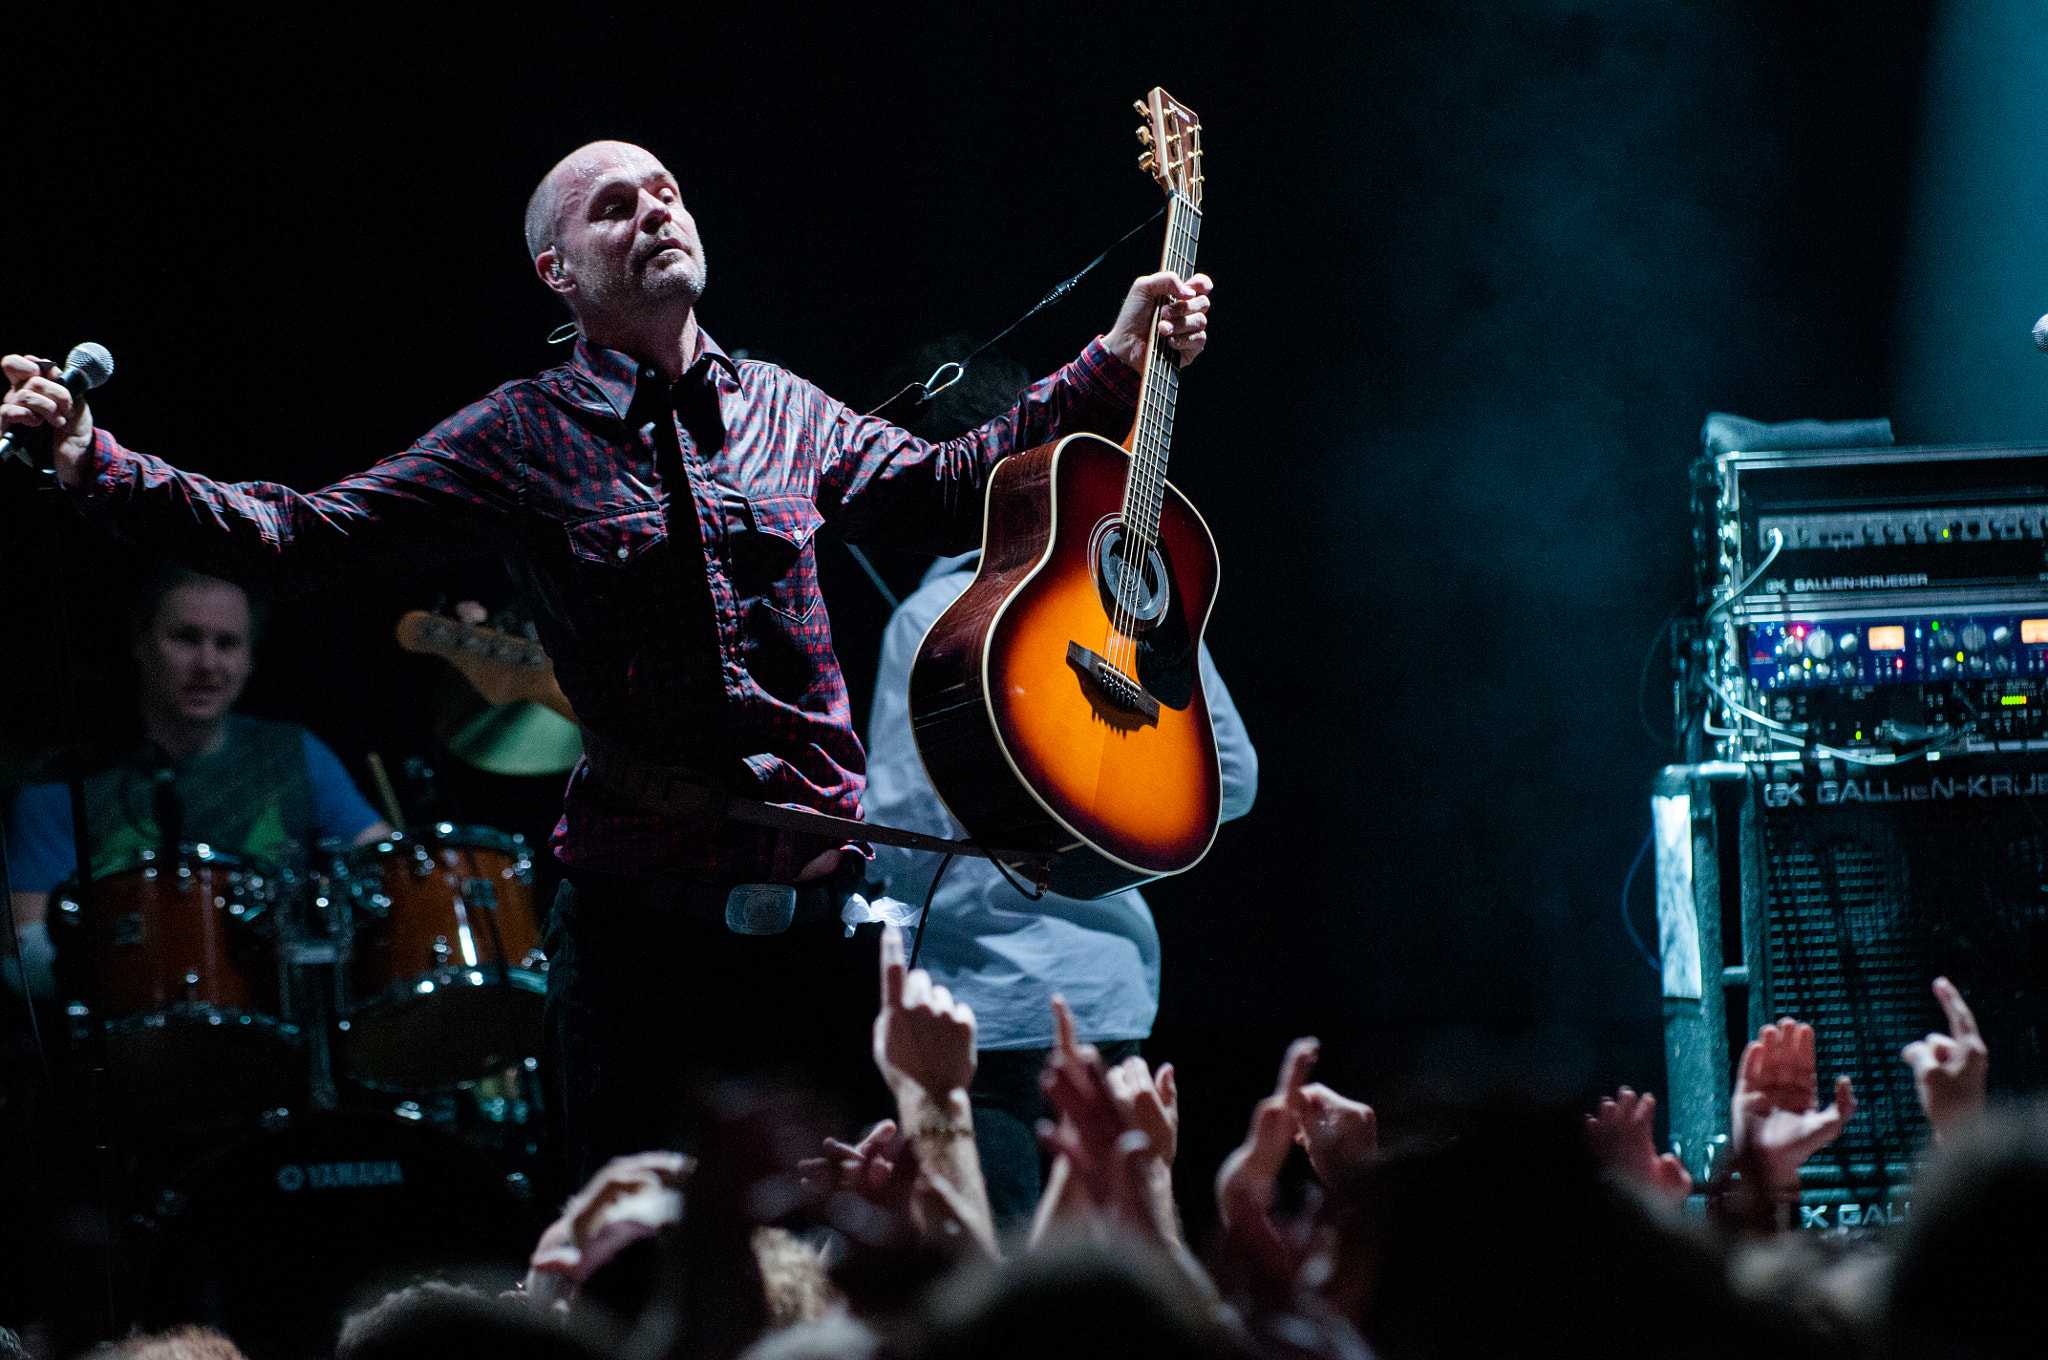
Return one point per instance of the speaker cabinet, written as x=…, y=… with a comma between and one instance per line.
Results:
x=1835, y=894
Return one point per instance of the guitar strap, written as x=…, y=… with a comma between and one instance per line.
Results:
x=701, y=801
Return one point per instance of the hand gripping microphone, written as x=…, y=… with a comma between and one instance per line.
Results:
x=86, y=367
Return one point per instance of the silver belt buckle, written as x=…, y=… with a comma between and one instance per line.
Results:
x=760, y=908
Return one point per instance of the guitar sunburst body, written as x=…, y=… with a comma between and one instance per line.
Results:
x=1120, y=796
x=1058, y=704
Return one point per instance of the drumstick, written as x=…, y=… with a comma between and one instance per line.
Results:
x=385, y=793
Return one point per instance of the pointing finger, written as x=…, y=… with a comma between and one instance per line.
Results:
x=1063, y=1027
x=1294, y=1068
x=1962, y=1023
x=892, y=967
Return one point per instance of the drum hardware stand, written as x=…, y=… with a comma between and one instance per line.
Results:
x=306, y=998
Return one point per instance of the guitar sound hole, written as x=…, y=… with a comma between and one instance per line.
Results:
x=1144, y=598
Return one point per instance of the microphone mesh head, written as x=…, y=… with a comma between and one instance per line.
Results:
x=92, y=361
x=2041, y=334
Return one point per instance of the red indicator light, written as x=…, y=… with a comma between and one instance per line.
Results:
x=1799, y=630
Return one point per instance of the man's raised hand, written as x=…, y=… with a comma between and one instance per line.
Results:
x=36, y=400
x=630, y=1198
x=1776, y=1110
x=1244, y=1183
x=1340, y=1134
x=922, y=1036
x=1183, y=321
x=1948, y=1069
x=1150, y=1102
x=1621, y=1139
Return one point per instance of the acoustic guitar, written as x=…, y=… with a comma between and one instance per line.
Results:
x=1057, y=705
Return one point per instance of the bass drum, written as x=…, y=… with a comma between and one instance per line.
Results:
x=446, y=974
x=178, y=959
x=275, y=1239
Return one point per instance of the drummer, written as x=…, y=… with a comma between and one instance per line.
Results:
x=244, y=786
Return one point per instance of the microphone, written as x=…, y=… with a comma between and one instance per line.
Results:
x=86, y=367
x=2041, y=334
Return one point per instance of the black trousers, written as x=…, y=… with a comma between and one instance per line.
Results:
x=1007, y=1108
x=647, y=1009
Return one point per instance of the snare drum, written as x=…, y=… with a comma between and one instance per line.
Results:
x=445, y=980
x=177, y=957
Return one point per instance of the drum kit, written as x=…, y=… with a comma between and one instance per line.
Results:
x=411, y=965
x=384, y=1005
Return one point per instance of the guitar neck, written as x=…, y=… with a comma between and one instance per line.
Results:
x=1153, y=433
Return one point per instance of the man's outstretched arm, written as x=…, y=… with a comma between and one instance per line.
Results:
x=448, y=497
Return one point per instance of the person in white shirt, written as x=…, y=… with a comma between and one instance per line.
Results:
x=1000, y=952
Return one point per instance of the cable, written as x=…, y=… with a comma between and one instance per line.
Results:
x=927, y=390
x=1796, y=734
x=1750, y=713
x=929, y=893
x=1627, y=921
x=1643, y=678
x=1004, y=870
x=1722, y=607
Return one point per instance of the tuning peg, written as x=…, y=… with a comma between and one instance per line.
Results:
x=1146, y=162
x=1144, y=110
x=1144, y=136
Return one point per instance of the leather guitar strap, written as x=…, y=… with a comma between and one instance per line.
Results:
x=701, y=802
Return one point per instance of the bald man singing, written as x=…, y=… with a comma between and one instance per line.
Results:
x=660, y=501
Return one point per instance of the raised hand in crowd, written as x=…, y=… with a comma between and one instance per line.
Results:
x=1244, y=1183
x=924, y=1046
x=923, y=1038
x=1776, y=1118
x=628, y=1200
x=862, y=1168
x=1340, y=1134
x=1620, y=1133
x=1114, y=1138
x=1148, y=1100
x=1949, y=1069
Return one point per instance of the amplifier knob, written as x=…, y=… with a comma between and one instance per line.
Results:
x=1973, y=638
x=1976, y=665
x=1948, y=663
x=1791, y=647
x=1820, y=669
x=2001, y=635
x=2002, y=664
x=1819, y=643
x=1847, y=642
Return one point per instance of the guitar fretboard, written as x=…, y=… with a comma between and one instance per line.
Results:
x=1147, y=485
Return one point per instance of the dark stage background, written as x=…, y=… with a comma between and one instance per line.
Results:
x=1481, y=271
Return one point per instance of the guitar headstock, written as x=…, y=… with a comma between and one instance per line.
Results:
x=1172, y=137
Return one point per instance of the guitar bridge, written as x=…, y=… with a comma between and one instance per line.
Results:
x=1113, y=684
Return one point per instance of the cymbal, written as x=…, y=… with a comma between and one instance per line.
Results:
x=523, y=738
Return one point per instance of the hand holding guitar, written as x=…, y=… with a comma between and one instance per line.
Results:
x=1179, y=309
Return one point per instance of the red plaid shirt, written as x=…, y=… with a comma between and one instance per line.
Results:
x=694, y=638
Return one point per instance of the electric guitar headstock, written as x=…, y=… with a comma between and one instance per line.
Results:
x=1172, y=137
x=503, y=667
